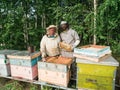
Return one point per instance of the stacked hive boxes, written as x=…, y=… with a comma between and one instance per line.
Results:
x=96, y=68
x=56, y=70
x=92, y=52
x=4, y=62
x=24, y=64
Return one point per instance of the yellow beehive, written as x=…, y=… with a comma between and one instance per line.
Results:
x=96, y=76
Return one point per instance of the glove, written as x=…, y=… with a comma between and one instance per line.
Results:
x=75, y=44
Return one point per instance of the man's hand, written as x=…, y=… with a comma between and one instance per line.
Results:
x=65, y=46
x=43, y=59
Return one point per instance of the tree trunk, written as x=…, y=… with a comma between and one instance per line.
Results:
x=95, y=13
x=43, y=23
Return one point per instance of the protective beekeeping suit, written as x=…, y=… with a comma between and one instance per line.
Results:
x=49, y=45
x=69, y=38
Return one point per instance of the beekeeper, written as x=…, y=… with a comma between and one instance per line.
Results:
x=70, y=39
x=49, y=45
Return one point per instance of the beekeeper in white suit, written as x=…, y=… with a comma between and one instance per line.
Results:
x=70, y=37
x=49, y=45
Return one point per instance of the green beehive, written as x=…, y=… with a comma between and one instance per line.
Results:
x=96, y=75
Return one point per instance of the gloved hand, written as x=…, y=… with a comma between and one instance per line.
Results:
x=75, y=44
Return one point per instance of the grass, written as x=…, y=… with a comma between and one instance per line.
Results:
x=6, y=84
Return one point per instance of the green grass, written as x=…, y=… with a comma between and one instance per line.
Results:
x=6, y=84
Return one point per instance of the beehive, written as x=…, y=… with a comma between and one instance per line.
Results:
x=55, y=71
x=4, y=62
x=93, y=50
x=24, y=64
x=96, y=76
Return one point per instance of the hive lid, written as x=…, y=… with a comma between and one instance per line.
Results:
x=109, y=61
x=6, y=52
x=93, y=50
x=24, y=55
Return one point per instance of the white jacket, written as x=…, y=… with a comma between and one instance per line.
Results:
x=69, y=37
x=49, y=46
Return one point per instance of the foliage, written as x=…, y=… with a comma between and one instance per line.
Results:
x=108, y=24
x=23, y=22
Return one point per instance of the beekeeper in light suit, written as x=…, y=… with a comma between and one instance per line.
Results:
x=49, y=45
x=69, y=38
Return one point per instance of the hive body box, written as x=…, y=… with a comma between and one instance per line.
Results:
x=54, y=73
x=24, y=72
x=4, y=62
x=54, y=77
x=92, y=52
x=96, y=76
x=24, y=64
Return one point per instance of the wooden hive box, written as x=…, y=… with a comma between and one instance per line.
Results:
x=5, y=70
x=55, y=71
x=4, y=62
x=96, y=75
x=93, y=50
x=24, y=58
x=54, y=77
x=24, y=64
x=24, y=72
